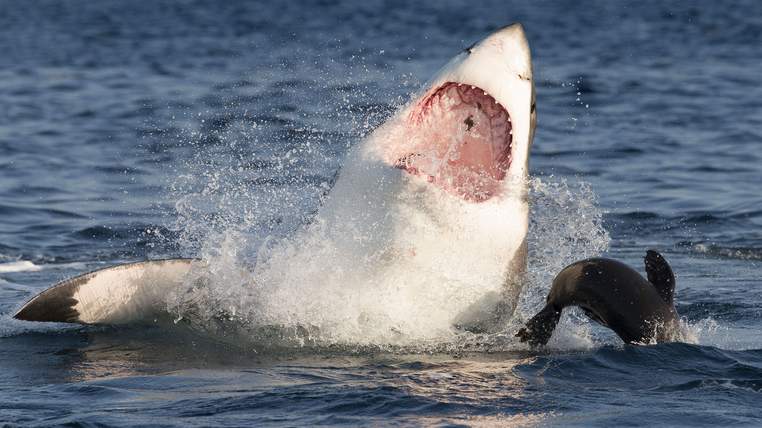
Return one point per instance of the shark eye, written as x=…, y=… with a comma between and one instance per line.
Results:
x=470, y=48
x=533, y=107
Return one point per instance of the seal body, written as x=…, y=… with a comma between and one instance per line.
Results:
x=637, y=309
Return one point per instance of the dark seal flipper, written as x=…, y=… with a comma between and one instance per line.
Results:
x=660, y=275
x=539, y=329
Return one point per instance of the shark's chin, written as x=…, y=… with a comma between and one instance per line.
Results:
x=459, y=138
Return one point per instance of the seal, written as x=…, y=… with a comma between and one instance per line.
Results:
x=638, y=310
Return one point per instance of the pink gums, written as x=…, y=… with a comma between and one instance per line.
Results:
x=460, y=140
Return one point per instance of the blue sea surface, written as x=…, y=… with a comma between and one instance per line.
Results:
x=114, y=115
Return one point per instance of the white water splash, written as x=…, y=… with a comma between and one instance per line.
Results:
x=300, y=280
x=19, y=266
x=247, y=206
x=565, y=226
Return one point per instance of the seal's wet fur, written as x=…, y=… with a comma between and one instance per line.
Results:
x=615, y=295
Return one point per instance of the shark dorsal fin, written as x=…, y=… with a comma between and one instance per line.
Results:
x=660, y=275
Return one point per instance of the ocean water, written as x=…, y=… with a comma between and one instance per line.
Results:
x=213, y=129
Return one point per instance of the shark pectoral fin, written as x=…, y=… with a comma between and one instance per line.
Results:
x=120, y=294
x=660, y=275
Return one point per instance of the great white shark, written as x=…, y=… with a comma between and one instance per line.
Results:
x=442, y=185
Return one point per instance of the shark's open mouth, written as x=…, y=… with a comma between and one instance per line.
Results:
x=460, y=139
